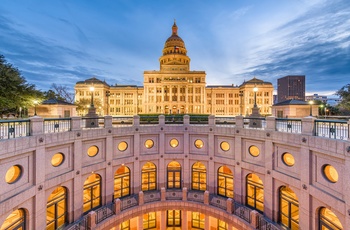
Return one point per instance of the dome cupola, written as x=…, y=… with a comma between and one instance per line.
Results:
x=174, y=44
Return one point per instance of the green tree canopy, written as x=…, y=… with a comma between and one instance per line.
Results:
x=344, y=94
x=15, y=92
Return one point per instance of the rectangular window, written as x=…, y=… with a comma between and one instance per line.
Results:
x=150, y=220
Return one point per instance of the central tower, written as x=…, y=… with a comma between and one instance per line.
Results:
x=174, y=89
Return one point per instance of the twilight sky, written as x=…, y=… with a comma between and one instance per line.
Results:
x=63, y=41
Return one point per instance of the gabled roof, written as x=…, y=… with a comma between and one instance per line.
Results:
x=291, y=102
x=255, y=81
x=92, y=81
x=53, y=101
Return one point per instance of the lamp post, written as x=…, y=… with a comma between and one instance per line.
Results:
x=92, y=89
x=311, y=103
x=321, y=109
x=241, y=103
x=108, y=93
x=255, y=89
x=35, y=103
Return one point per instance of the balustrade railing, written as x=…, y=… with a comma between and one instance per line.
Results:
x=197, y=196
x=151, y=196
x=174, y=195
x=263, y=224
x=129, y=201
x=335, y=129
x=14, y=128
x=288, y=125
x=119, y=121
x=254, y=122
x=92, y=122
x=199, y=120
x=52, y=125
x=241, y=211
x=173, y=120
x=231, y=121
x=104, y=212
x=81, y=224
x=218, y=201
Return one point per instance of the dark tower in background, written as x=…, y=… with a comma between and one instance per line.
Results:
x=291, y=87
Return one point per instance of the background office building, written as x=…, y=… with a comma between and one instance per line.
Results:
x=291, y=87
x=175, y=89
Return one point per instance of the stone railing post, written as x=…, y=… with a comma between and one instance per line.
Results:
x=162, y=194
x=270, y=123
x=254, y=219
x=239, y=122
x=211, y=120
x=36, y=125
x=229, y=202
x=136, y=120
x=161, y=119
x=108, y=122
x=308, y=125
x=184, y=194
x=141, y=198
x=206, y=197
x=75, y=123
x=91, y=220
x=117, y=206
x=186, y=120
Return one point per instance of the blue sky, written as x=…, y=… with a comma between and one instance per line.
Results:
x=63, y=41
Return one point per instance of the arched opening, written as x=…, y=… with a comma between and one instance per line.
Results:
x=56, y=209
x=255, y=192
x=92, y=193
x=328, y=220
x=225, y=182
x=149, y=177
x=199, y=177
x=121, y=182
x=16, y=220
x=289, y=208
x=174, y=175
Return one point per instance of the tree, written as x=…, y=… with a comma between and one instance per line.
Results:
x=15, y=92
x=61, y=92
x=84, y=104
x=344, y=94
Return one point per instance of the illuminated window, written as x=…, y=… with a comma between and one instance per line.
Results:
x=173, y=218
x=288, y=159
x=57, y=159
x=225, y=182
x=149, y=143
x=122, y=182
x=174, y=175
x=225, y=146
x=56, y=209
x=330, y=173
x=199, y=177
x=92, y=151
x=174, y=143
x=328, y=220
x=198, y=220
x=222, y=225
x=149, y=177
x=199, y=144
x=13, y=174
x=289, y=208
x=122, y=146
x=92, y=193
x=255, y=192
x=254, y=151
x=16, y=220
x=125, y=225
x=150, y=220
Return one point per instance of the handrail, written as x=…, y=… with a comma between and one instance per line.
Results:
x=335, y=129
x=14, y=128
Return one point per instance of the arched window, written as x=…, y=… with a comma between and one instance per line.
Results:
x=56, y=209
x=328, y=220
x=149, y=177
x=289, y=208
x=121, y=182
x=92, y=193
x=255, y=192
x=225, y=182
x=174, y=175
x=199, y=176
x=15, y=221
x=150, y=220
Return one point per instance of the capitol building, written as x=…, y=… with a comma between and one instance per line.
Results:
x=175, y=89
x=219, y=171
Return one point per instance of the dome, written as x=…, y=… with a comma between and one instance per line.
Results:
x=174, y=40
